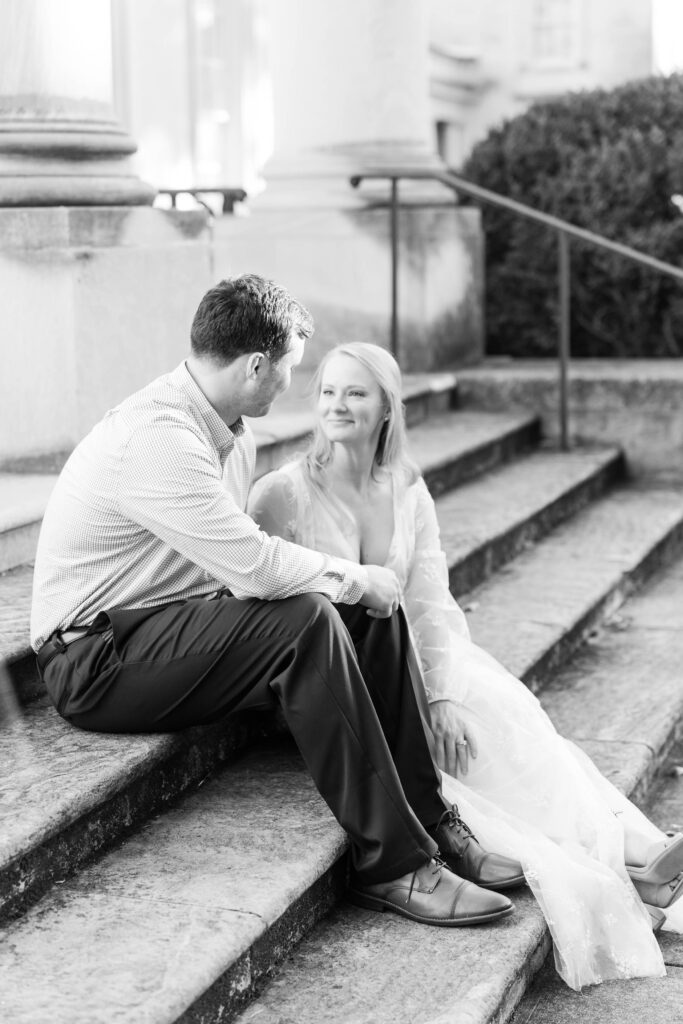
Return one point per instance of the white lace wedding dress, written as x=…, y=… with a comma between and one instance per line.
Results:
x=530, y=793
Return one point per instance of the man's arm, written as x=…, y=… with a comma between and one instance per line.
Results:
x=170, y=485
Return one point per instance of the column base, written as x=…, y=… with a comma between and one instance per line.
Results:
x=74, y=190
x=322, y=178
x=68, y=163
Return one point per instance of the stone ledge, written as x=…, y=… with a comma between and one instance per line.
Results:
x=633, y=403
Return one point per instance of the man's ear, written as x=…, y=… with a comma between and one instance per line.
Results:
x=254, y=365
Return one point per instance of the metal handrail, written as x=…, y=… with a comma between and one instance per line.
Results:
x=230, y=196
x=565, y=232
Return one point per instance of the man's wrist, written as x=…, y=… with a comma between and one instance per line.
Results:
x=357, y=582
x=352, y=577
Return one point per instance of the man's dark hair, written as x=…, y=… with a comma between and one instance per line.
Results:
x=247, y=314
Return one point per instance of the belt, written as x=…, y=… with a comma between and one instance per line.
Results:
x=59, y=642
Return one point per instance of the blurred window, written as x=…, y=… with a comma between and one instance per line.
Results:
x=555, y=32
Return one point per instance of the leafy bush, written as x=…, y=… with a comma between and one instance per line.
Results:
x=609, y=161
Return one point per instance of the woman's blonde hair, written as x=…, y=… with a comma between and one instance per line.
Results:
x=392, y=449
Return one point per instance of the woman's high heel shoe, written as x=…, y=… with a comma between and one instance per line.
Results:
x=660, y=895
x=663, y=867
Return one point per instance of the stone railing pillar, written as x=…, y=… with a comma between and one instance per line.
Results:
x=60, y=142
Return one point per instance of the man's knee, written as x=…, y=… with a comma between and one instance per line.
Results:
x=310, y=612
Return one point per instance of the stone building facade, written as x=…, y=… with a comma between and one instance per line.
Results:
x=288, y=98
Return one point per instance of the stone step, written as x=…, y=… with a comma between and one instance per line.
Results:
x=47, y=828
x=489, y=521
x=189, y=914
x=187, y=919
x=535, y=612
x=22, y=502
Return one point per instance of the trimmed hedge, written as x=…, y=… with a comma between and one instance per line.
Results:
x=609, y=161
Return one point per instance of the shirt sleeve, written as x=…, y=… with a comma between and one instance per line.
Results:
x=437, y=622
x=170, y=484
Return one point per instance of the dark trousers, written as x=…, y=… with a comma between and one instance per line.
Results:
x=347, y=684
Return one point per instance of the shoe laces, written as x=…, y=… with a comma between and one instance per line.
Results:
x=452, y=819
x=436, y=870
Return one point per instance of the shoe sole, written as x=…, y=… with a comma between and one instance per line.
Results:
x=509, y=883
x=360, y=899
x=663, y=868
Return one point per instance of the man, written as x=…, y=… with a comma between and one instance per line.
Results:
x=158, y=604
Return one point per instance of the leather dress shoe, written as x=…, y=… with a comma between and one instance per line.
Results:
x=432, y=895
x=660, y=895
x=459, y=848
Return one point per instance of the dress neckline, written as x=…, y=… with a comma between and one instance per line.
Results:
x=337, y=505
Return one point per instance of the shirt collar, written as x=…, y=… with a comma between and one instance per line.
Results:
x=222, y=436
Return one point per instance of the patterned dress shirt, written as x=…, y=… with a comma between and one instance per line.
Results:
x=149, y=509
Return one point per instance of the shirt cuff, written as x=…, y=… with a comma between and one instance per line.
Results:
x=353, y=580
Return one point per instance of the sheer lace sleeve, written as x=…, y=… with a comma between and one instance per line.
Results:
x=437, y=622
x=274, y=505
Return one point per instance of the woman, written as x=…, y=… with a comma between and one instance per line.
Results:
x=525, y=791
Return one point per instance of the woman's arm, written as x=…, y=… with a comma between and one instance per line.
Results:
x=440, y=630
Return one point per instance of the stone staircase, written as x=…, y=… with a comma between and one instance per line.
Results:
x=162, y=879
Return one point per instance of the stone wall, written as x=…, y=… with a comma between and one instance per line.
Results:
x=98, y=301
x=338, y=262
x=633, y=403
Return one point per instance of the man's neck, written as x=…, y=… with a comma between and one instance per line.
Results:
x=215, y=383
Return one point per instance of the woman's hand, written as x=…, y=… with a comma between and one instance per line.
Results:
x=454, y=743
x=383, y=592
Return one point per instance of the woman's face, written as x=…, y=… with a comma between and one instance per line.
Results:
x=351, y=408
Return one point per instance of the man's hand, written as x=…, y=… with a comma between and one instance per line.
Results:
x=454, y=743
x=383, y=593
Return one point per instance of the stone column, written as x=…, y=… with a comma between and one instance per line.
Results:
x=350, y=92
x=351, y=95
x=60, y=142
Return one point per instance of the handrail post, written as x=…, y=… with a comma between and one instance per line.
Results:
x=394, y=268
x=564, y=273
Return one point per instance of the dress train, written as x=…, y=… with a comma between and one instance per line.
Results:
x=537, y=797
